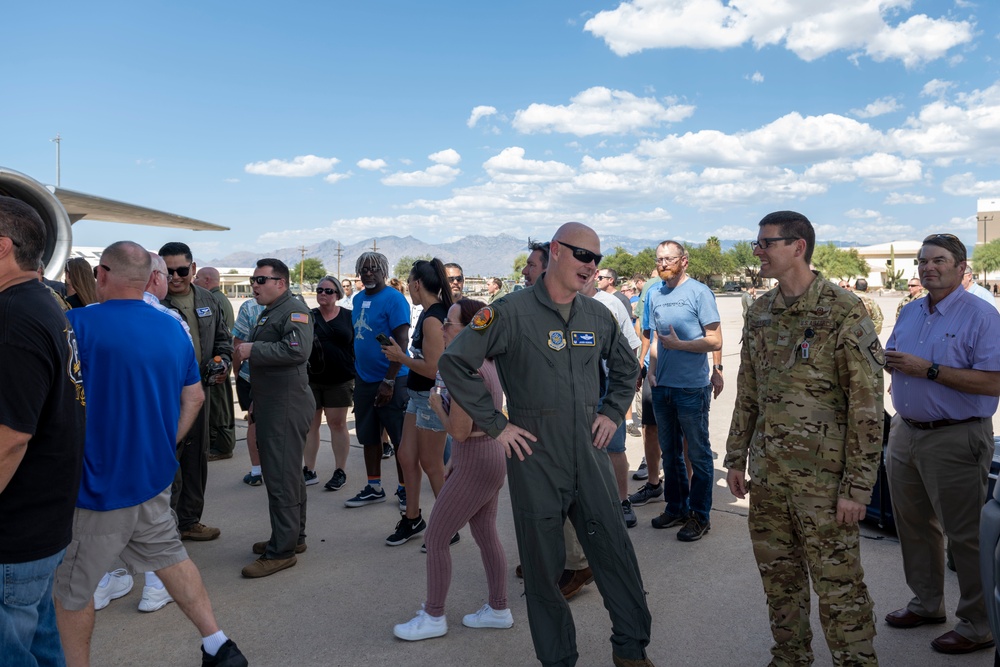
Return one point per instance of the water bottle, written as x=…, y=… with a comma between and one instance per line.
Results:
x=215, y=368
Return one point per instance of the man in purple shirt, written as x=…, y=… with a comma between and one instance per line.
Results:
x=944, y=357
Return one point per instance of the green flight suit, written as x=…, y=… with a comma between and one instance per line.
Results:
x=549, y=370
x=222, y=421
x=283, y=407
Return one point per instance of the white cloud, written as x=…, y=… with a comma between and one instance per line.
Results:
x=756, y=77
x=966, y=185
x=952, y=129
x=511, y=166
x=434, y=176
x=878, y=169
x=371, y=165
x=811, y=30
x=478, y=113
x=335, y=178
x=894, y=198
x=936, y=88
x=968, y=222
x=448, y=156
x=301, y=166
x=734, y=232
x=600, y=110
x=879, y=107
x=862, y=214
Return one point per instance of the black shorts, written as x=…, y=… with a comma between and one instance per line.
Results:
x=369, y=420
x=243, y=393
x=333, y=395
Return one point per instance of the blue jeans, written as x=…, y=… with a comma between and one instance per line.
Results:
x=28, y=632
x=680, y=414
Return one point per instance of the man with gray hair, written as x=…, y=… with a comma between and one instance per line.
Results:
x=972, y=287
x=144, y=392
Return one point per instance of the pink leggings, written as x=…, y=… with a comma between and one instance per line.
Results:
x=469, y=496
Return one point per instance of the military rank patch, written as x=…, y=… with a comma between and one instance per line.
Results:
x=301, y=318
x=582, y=338
x=482, y=320
x=203, y=312
x=557, y=340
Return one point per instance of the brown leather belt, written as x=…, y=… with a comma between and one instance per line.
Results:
x=940, y=423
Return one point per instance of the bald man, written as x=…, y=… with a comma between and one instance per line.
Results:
x=548, y=341
x=221, y=418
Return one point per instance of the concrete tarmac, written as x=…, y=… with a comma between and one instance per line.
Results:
x=337, y=606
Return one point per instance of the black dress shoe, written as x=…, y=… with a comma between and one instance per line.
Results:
x=952, y=642
x=904, y=618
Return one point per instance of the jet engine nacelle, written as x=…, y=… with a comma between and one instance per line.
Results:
x=58, y=228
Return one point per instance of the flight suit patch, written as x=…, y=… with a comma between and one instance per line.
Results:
x=203, y=312
x=301, y=318
x=261, y=321
x=557, y=340
x=582, y=338
x=482, y=320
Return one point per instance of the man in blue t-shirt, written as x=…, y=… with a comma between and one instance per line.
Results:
x=143, y=390
x=380, y=388
x=682, y=313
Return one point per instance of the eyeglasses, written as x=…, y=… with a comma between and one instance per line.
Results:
x=765, y=243
x=99, y=266
x=583, y=255
x=445, y=323
x=262, y=280
x=914, y=285
x=456, y=279
x=327, y=291
x=662, y=261
x=181, y=271
x=604, y=277
x=369, y=269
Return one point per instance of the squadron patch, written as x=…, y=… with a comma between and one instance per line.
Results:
x=301, y=318
x=261, y=321
x=203, y=312
x=582, y=338
x=557, y=340
x=482, y=320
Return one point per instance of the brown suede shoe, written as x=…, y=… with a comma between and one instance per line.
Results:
x=952, y=642
x=260, y=547
x=631, y=662
x=904, y=618
x=219, y=456
x=199, y=532
x=573, y=580
x=264, y=567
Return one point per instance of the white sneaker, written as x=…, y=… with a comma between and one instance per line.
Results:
x=153, y=598
x=488, y=617
x=119, y=584
x=422, y=626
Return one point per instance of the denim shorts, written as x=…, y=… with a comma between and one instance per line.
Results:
x=420, y=406
x=617, y=443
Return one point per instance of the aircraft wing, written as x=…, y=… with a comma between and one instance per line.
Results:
x=80, y=205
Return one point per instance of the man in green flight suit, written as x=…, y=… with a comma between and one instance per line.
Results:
x=222, y=425
x=283, y=408
x=548, y=342
x=807, y=427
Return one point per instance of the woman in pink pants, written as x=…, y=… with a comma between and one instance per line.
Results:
x=469, y=496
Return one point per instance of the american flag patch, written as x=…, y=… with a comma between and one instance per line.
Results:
x=301, y=318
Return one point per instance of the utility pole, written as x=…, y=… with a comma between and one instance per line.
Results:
x=57, y=141
x=374, y=245
x=340, y=253
x=302, y=267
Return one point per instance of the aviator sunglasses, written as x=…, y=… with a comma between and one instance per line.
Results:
x=582, y=254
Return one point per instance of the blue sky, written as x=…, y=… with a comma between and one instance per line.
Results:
x=299, y=122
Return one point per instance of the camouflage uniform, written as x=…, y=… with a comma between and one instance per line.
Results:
x=873, y=310
x=811, y=426
x=907, y=299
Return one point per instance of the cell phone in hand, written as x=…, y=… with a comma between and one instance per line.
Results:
x=383, y=340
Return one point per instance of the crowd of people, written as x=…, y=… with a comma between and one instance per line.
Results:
x=537, y=387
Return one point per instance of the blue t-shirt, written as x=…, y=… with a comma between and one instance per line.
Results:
x=688, y=308
x=135, y=361
x=372, y=315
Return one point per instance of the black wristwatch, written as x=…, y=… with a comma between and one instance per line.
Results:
x=932, y=372
x=717, y=367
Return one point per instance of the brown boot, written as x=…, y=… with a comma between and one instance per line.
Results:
x=199, y=532
x=264, y=567
x=573, y=580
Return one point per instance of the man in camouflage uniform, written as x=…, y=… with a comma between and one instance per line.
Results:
x=917, y=291
x=808, y=417
x=861, y=291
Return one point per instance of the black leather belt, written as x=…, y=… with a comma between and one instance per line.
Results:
x=940, y=423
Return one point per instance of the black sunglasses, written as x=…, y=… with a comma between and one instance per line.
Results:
x=582, y=254
x=766, y=243
x=101, y=266
x=325, y=290
x=262, y=280
x=181, y=271
x=456, y=279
